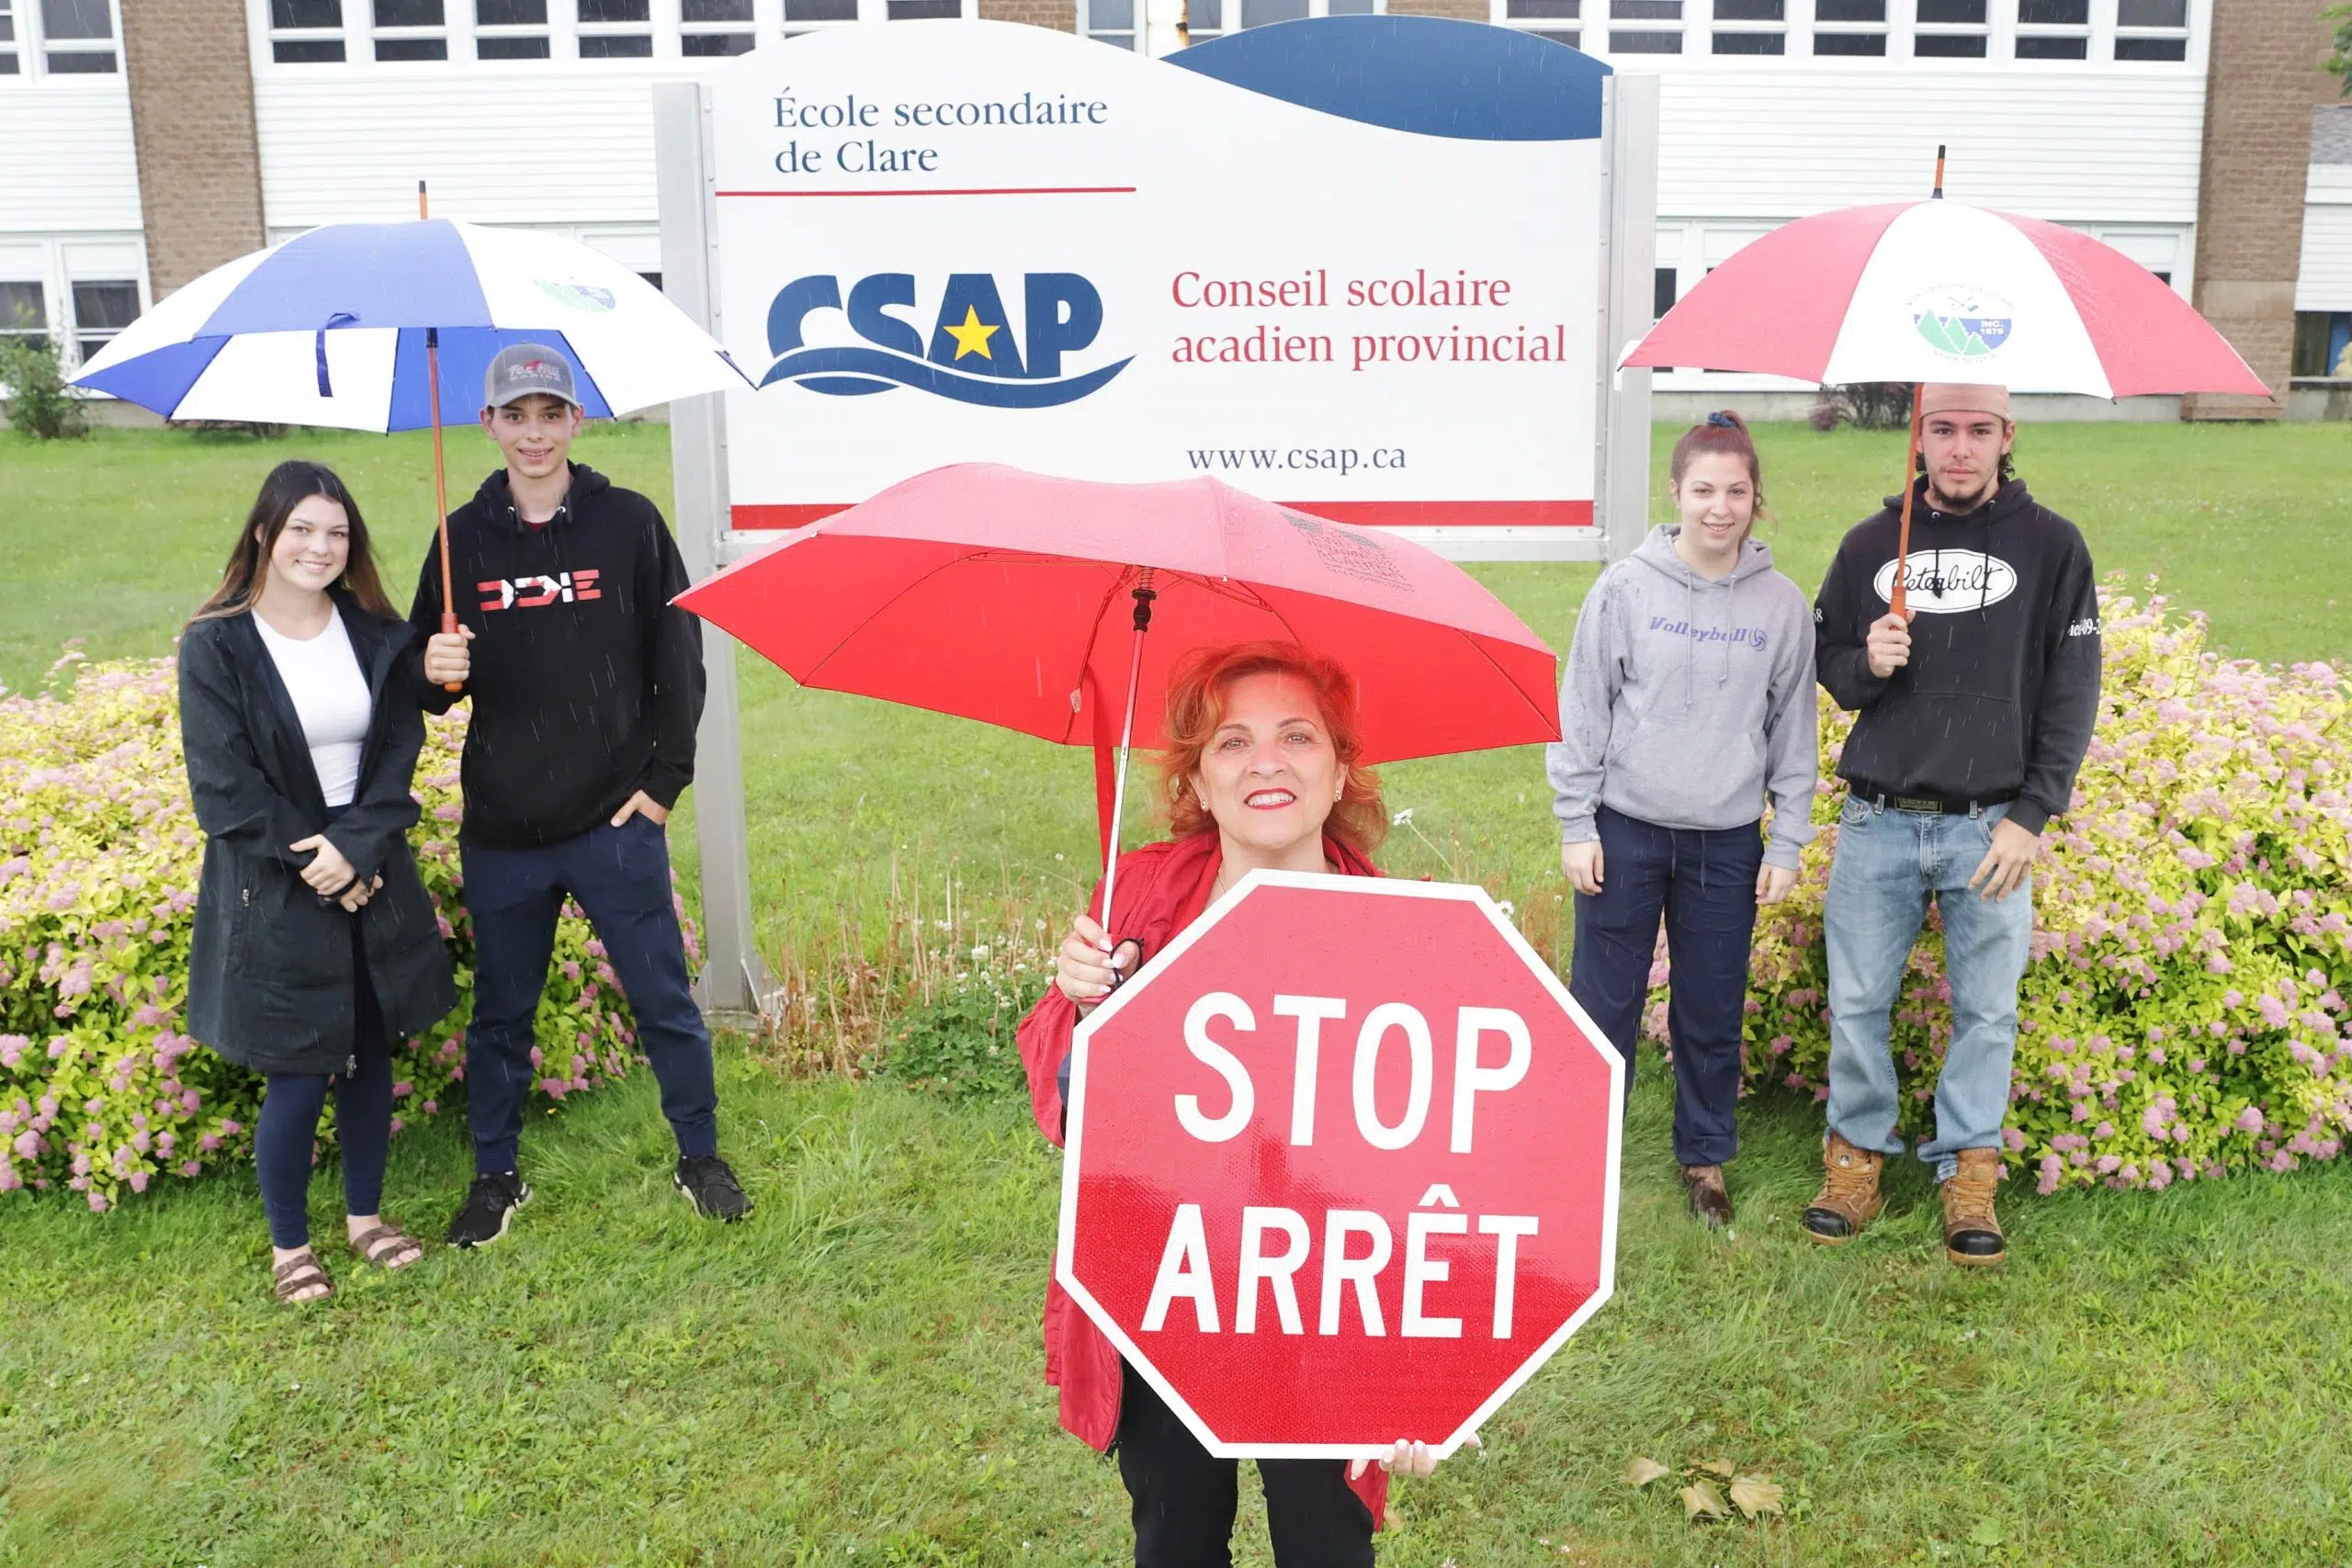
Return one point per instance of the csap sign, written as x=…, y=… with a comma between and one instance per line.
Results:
x=1340, y=1166
x=971, y=354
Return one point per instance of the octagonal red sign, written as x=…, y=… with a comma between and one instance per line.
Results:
x=1341, y=1166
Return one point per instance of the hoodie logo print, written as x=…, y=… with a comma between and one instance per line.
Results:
x=530, y=593
x=1947, y=582
x=1738, y=636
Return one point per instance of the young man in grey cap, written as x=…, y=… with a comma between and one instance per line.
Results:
x=586, y=685
x=1972, y=718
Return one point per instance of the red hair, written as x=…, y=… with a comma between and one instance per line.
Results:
x=1197, y=688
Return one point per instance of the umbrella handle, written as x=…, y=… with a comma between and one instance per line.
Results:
x=440, y=479
x=1898, y=601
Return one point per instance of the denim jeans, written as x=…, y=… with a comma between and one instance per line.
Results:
x=1703, y=883
x=1889, y=864
x=620, y=878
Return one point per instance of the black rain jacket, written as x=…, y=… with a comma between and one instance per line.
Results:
x=270, y=984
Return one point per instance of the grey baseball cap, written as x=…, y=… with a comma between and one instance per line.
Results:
x=523, y=369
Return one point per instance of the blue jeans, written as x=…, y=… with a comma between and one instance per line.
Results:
x=1889, y=864
x=1703, y=883
x=621, y=878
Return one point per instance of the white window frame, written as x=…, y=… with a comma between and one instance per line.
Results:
x=2010, y=37
x=746, y=29
x=449, y=32
x=481, y=33
x=870, y=12
x=13, y=46
x=33, y=47
x=1899, y=29
x=2188, y=33
x=272, y=35
x=1129, y=37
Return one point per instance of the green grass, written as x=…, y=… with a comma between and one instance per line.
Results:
x=2155, y=1379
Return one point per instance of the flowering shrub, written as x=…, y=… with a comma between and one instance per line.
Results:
x=99, y=851
x=2182, y=1013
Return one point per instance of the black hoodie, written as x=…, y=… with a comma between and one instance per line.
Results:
x=587, y=681
x=2002, y=687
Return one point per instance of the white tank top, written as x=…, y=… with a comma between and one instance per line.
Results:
x=330, y=694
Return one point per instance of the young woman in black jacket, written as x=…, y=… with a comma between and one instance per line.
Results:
x=316, y=945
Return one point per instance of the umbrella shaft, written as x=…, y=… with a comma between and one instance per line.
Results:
x=1119, y=783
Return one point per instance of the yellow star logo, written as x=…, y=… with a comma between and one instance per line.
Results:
x=971, y=337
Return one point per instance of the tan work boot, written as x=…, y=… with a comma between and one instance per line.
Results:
x=1972, y=1232
x=1848, y=1198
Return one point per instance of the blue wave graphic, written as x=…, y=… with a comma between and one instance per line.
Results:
x=848, y=372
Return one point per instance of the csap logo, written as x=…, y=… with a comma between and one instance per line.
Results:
x=971, y=357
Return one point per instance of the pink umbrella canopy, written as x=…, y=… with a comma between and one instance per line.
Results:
x=1940, y=290
x=1008, y=596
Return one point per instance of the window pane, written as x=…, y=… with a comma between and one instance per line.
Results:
x=7, y=66
x=2054, y=13
x=715, y=10
x=1965, y=46
x=1568, y=36
x=22, y=308
x=1971, y=12
x=1111, y=16
x=105, y=307
x=408, y=12
x=1205, y=16
x=306, y=13
x=1257, y=13
x=820, y=10
x=921, y=10
x=1661, y=291
x=629, y=47
x=616, y=10
x=2030, y=48
x=1644, y=44
x=523, y=48
x=98, y=64
x=1751, y=43
x=1645, y=10
x=1750, y=10
x=2151, y=48
x=2151, y=13
x=1849, y=43
x=1349, y=8
x=1540, y=10
x=1850, y=10
x=62, y=19
x=714, y=43
x=511, y=13
x=412, y=49
x=306, y=51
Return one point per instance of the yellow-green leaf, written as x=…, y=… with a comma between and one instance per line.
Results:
x=1721, y=1468
x=1643, y=1470
x=1753, y=1495
x=1702, y=1501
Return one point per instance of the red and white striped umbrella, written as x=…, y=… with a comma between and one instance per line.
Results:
x=1941, y=291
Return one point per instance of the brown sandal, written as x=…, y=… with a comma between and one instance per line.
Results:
x=381, y=1242
x=298, y=1274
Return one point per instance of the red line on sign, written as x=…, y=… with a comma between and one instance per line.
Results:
x=1002, y=190
x=1371, y=513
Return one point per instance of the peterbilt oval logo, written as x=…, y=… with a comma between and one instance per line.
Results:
x=1944, y=583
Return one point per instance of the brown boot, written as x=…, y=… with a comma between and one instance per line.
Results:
x=1710, y=1200
x=1972, y=1232
x=1848, y=1198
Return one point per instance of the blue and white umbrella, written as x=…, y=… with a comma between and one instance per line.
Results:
x=331, y=328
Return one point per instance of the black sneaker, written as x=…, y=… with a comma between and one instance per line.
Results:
x=489, y=1210
x=712, y=1188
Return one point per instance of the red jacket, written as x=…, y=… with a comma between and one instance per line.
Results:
x=1163, y=888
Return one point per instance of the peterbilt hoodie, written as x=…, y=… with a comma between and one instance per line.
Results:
x=2002, y=686
x=586, y=682
x=1687, y=700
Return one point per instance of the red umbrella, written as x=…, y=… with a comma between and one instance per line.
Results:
x=1938, y=291
x=1023, y=601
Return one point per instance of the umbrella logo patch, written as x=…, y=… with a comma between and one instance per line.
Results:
x=1963, y=322
x=579, y=295
x=1947, y=582
x=971, y=355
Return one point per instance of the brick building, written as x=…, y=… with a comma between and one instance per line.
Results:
x=149, y=139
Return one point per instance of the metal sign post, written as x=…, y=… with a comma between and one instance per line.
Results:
x=1628, y=260
x=733, y=979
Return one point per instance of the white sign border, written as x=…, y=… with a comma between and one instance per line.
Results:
x=1074, y=1124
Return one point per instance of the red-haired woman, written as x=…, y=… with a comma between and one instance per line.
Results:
x=1261, y=772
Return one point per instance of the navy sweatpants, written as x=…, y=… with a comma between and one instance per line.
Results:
x=1703, y=883
x=621, y=878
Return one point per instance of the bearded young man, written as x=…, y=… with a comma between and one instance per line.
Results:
x=1972, y=719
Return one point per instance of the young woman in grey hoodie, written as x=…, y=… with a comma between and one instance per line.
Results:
x=1688, y=702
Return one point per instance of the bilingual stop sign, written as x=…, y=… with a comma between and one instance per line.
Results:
x=1340, y=1166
